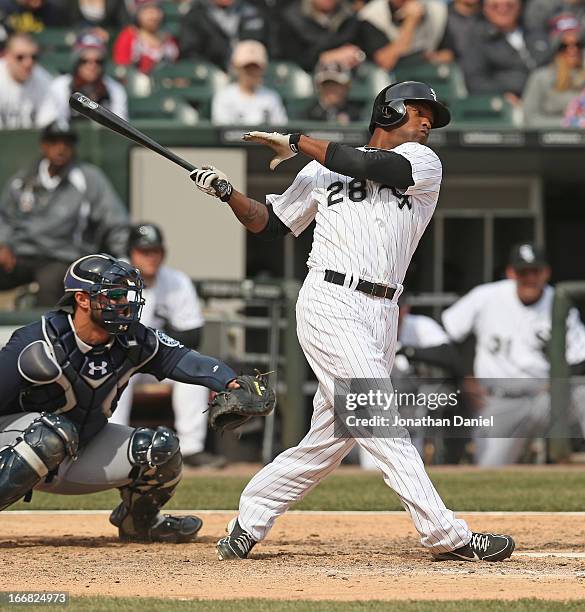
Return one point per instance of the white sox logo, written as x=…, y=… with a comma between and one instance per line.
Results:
x=433, y=94
x=93, y=368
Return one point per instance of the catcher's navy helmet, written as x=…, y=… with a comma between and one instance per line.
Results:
x=114, y=288
x=390, y=109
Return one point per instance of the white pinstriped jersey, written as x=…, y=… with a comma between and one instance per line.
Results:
x=363, y=228
x=511, y=338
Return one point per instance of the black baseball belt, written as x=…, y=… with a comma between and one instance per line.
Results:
x=381, y=291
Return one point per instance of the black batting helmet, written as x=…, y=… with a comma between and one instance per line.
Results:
x=390, y=109
x=114, y=287
x=145, y=236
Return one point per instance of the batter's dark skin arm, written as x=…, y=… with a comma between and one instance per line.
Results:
x=251, y=214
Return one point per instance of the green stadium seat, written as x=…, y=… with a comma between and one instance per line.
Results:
x=56, y=39
x=162, y=107
x=446, y=79
x=57, y=62
x=137, y=84
x=290, y=80
x=295, y=108
x=367, y=81
x=193, y=80
x=484, y=110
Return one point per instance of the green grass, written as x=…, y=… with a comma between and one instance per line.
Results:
x=127, y=604
x=536, y=490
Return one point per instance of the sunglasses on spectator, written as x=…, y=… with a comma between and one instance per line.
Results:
x=99, y=62
x=20, y=57
x=565, y=46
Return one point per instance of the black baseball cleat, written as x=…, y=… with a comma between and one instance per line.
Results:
x=481, y=547
x=237, y=544
x=173, y=529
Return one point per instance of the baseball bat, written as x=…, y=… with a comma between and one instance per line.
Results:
x=94, y=111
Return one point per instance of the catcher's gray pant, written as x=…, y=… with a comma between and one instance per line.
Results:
x=347, y=334
x=102, y=464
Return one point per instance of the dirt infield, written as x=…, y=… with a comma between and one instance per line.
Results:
x=352, y=556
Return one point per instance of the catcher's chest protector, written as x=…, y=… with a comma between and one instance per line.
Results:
x=91, y=382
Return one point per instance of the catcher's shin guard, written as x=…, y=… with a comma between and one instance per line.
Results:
x=43, y=445
x=158, y=465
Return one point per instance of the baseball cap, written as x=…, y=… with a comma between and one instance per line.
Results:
x=249, y=52
x=145, y=236
x=527, y=255
x=331, y=72
x=59, y=130
x=89, y=40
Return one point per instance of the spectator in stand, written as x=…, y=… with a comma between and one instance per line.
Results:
x=145, y=45
x=54, y=212
x=212, y=28
x=498, y=61
x=247, y=101
x=575, y=112
x=461, y=15
x=329, y=31
x=24, y=85
x=103, y=14
x=29, y=16
x=551, y=88
x=88, y=77
x=541, y=18
x=332, y=83
x=415, y=28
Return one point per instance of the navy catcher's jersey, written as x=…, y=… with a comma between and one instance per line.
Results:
x=92, y=378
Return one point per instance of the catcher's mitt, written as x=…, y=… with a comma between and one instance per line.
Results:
x=232, y=408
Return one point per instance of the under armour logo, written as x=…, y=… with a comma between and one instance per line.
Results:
x=93, y=368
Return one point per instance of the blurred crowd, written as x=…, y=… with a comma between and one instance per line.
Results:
x=530, y=54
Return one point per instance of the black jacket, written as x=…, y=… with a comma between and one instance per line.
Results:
x=491, y=65
x=203, y=37
x=304, y=39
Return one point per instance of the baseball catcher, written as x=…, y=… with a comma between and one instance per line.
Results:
x=60, y=381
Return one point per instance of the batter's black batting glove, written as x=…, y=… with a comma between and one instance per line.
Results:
x=284, y=145
x=213, y=182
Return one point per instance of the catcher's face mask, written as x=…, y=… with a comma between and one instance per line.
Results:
x=116, y=301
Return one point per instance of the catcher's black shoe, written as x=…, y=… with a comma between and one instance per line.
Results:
x=237, y=544
x=174, y=529
x=481, y=547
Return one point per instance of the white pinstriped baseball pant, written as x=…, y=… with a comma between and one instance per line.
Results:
x=347, y=334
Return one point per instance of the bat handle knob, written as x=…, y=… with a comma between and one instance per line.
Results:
x=223, y=188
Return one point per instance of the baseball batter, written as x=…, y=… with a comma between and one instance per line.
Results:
x=511, y=321
x=371, y=206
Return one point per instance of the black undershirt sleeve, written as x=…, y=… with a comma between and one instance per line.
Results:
x=385, y=167
x=191, y=338
x=274, y=229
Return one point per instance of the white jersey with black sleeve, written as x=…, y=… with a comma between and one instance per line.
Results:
x=511, y=338
x=363, y=228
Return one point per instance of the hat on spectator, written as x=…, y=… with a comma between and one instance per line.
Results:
x=331, y=72
x=562, y=23
x=527, y=255
x=89, y=40
x=249, y=52
x=58, y=130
